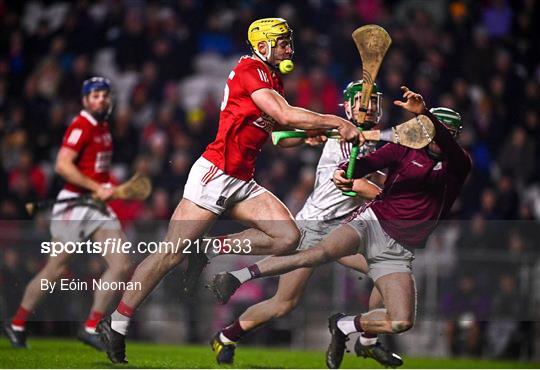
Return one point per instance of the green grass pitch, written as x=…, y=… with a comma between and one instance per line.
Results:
x=65, y=353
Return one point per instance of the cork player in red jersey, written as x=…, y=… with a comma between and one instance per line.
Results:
x=84, y=163
x=419, y=190
x=222, y=178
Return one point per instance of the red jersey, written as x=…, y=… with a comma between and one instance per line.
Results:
x=93, y=143
x=243, y=127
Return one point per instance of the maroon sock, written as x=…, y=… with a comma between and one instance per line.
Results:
x=234, y=331
x=368, y=335
x=254, y=271
x=125, y=310
x=93, y=319
x=358, y=323
x=20, y=317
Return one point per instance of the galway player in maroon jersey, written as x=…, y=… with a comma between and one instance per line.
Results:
x=222, y=178
x=83, y=162
x=419, y=190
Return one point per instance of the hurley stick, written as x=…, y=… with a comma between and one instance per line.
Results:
x=372, y=42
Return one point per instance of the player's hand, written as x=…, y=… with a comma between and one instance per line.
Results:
x=414, y=102
x=350, y=133
x=341, y=181
x=104, y=193
x=315, y=137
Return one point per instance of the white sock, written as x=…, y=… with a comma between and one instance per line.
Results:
x=242, y=275
x=119, y=322
x=90, y=330
x=346, y=325
x=18, y=328
x=367, y=341
x=224, y=339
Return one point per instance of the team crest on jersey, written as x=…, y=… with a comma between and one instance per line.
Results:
x=265, y=122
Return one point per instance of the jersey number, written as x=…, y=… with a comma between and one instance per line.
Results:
x=226, y=93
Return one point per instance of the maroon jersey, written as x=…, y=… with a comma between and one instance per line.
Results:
x=243, y=127
x=93, y=143
x=418, y=191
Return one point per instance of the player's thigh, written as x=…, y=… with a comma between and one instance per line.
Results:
x=292, y=284
x=190, y=221
x=59, y=259
x=356, y=262
x=266, y=213
x=341, y=242
x=116, y=258
x=398, y=291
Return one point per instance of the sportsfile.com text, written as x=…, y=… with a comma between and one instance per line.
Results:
x=117, y=245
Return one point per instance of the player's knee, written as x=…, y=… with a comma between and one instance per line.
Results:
x=400, y=326
x=169, y=259
x=289, y=240
x=54, y=271
x=284, y=307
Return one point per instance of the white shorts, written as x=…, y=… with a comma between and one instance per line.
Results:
x=71, y=222
x=210, y=188
x=384, y=254
x=312, y=232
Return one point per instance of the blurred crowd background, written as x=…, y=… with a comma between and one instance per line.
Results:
x=168, y=62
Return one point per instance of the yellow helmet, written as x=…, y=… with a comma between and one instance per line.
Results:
x=267, y=30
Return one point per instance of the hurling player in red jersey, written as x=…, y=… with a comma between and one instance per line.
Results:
x=222, y=178
x=83, y=162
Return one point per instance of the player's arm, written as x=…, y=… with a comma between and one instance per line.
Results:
x=443, y=138
x=66, y=168
x=385, y=157
x=273, y=104
x=365, y=189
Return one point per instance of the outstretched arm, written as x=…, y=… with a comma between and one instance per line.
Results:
x=457, y=157
x=274, y=105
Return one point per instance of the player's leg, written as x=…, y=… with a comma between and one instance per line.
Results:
x=189, y=221
x=399, y=295
x=119, y=267
x=367, y=344
x=273, y=230
x=342, y=241
x=290, y=288
x=33, y=294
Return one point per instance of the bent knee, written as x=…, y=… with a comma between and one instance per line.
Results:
x=400, y=326
x=55, y=270
x=282, y=308
x=169, y=259
x=288, y=241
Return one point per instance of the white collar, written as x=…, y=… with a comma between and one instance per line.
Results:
x=89, y=117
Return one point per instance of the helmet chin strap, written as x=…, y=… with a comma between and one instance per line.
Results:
x=262, y=57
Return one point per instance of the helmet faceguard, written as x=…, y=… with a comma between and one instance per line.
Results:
x=351, y=98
